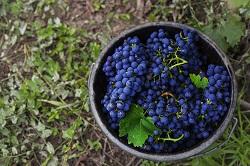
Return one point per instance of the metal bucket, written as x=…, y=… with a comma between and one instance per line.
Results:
x=97, y=86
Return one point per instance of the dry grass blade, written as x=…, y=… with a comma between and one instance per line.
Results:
x=245, y=104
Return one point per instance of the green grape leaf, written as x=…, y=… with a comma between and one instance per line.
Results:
x=132, y=118
x=198, y=81
x=234, y=4
x=136, y=126
x=228, y=33
x=216, y=36
x=233, y=29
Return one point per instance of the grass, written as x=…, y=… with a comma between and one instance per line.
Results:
x=46, y=50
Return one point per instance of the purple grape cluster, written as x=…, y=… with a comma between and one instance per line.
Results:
x=217, y=93
x=156, y=76
x=125, y=71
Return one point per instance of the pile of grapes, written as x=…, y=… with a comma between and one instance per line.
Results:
x=185, y=97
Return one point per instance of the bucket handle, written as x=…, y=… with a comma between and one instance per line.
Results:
x=91, y=70
x=222, y=144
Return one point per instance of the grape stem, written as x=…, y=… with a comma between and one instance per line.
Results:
x=178, y=64
x=171, y=139
x=209, y=101
x=184, y=38
x=179, y=60
x=133, y=45
x=178, y=115
x=166, y=94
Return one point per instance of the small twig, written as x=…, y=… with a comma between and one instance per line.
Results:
x=82, y=158
x=140, y=7
x=89, y=6
x=104, y=148
x=245, y=104
x=131, y=161
x=139, y=162
x=113, y=159
x=174, y=15
x=92, y=125
x=14, y=156
x=110, y=148
x=36, y=158
x=248, y=36
x=95, y=161
x=246, y=111
x=5, y=79
x=105, y=144
x=244, y=56
x=58, y=147
x=193, y=12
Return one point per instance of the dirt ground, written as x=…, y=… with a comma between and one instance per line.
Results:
x=104, y=23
